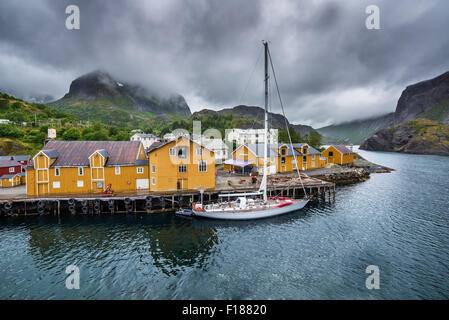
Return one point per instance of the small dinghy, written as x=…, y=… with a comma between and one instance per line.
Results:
x=185, y=212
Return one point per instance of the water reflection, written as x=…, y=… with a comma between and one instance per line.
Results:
x=171, y=243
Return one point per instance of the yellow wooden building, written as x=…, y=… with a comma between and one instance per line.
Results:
x=181, y=164
x=63, y=167
x=11, y=180
x=339, y=154
x=280, y=158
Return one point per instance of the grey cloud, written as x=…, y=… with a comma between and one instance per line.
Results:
x=330, y=67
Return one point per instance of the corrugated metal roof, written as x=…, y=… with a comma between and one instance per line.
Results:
x=312, y=150
x=141, y=162
x=51, y=153
x=342, y=149
x=76, y=153
x=8, y=163
x=104, y=153
x=7, y=176
x=15, y=158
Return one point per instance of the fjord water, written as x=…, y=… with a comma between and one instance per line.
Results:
x=397, y=221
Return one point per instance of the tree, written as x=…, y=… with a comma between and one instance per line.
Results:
x=314, y=139
x=71, y=134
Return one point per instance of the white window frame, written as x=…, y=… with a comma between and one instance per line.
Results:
x=56, y=184
x=184, y=154
x=313, y=157
x=80, y=183
x=140, y=169
x=172, y=152
x=57, y=172
x=80, y=171
x=117, y=170
x=153, y=181
x=153, y=168
x=11, y=169
x=199, y=151
x=205, y=165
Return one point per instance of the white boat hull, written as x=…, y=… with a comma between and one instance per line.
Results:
x=251, y=215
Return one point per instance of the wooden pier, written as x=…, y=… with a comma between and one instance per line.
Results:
x=146, y=201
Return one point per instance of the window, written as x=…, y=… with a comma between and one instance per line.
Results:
x=56, y=184
x=313, y=157
x=57, y=172
x=304, y=158
x=117, y=170
x=172, y=151
x=182, y=168
x=331, y=153
x=153, y=181
x=313, y=164
x=11, y=169
x=304, y=150
x=139, y=169
x=294, y=165
x=283, y=152
x=80, y=171
x=283, y=160
x=153, y=168
x=202, y=166
x=182, y=153
x=199, y=151
x=80, y=183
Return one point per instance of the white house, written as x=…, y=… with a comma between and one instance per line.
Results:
x=146, y=139
x=175, y=135
x=220, y=149
x=251, y=136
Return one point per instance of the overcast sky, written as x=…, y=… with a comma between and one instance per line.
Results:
x=330, y=67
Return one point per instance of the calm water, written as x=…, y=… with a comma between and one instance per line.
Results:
x=397, y=221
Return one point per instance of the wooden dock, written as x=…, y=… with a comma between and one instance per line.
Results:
x=148, y=201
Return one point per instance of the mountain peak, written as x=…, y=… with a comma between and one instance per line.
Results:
x=98, y=95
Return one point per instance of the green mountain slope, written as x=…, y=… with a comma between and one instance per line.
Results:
x=439, y=113
x=356, y=131
x=98, y=96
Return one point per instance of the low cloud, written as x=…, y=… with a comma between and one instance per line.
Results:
x=330, y=67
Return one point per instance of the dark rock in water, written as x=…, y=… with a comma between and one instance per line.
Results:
x=421, y=97
x=346, y=176
x=420, y=136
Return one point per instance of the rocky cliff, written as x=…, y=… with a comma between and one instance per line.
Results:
x=98, y=96
x=422, y=97
x=420, y=136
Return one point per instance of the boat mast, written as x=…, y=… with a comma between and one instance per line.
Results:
x=265, y=160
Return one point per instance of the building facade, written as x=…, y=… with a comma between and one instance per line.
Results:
x=339, y=154
x=146, y=139
x=220, y=149
x=63, y=167
x=280, y=157
x=251, y=136
x=181, y=164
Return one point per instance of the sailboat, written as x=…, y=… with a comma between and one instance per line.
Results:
x=254, y=205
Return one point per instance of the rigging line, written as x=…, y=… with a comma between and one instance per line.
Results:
x=250, y=77
x=286, y=124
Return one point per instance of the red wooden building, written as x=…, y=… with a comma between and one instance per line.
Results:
x=9, y=167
